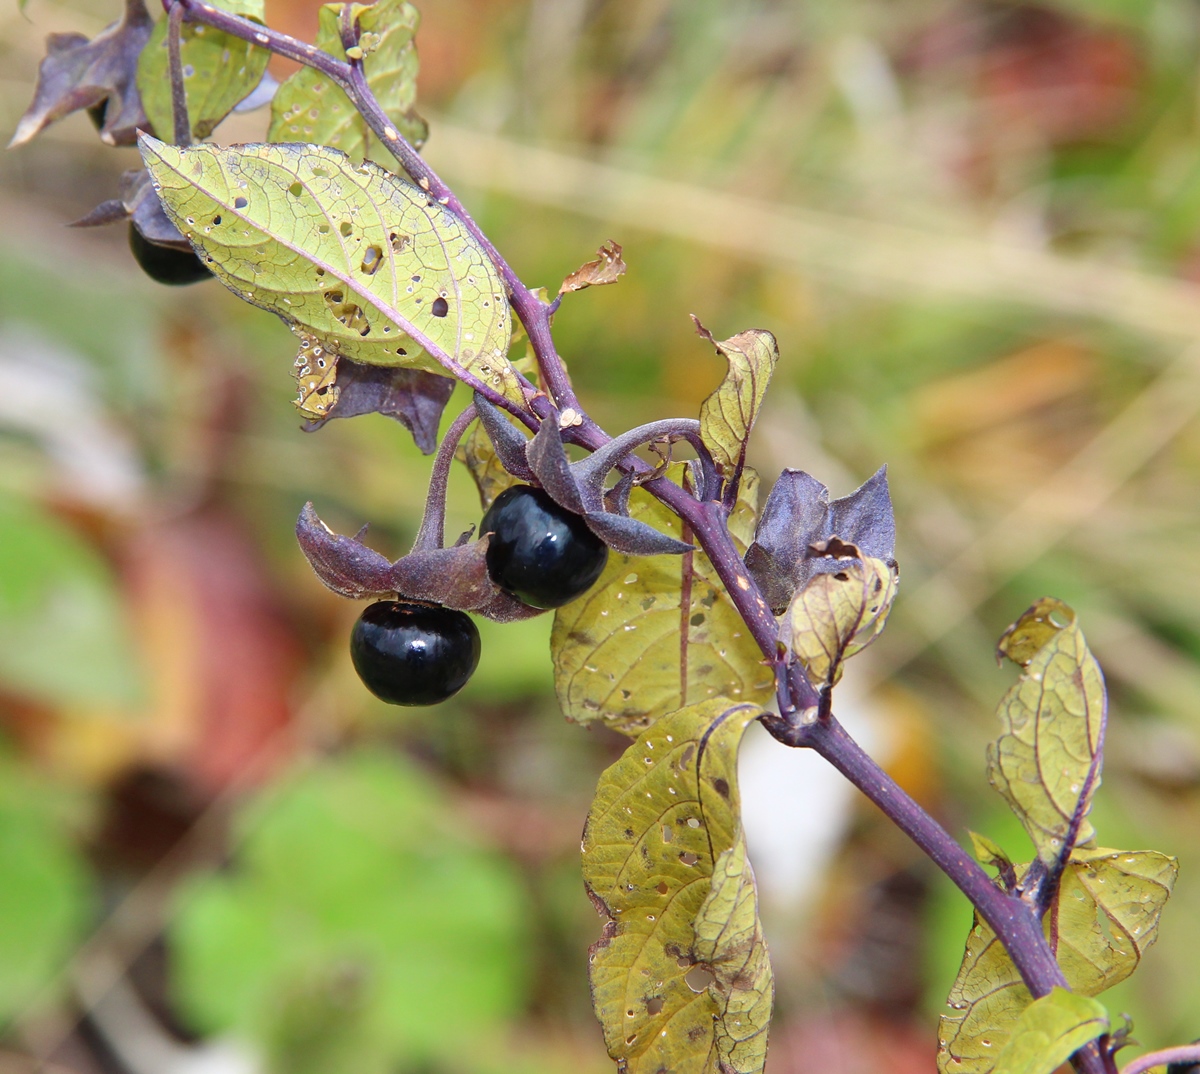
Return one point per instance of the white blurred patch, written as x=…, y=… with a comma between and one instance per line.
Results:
x=50, y=395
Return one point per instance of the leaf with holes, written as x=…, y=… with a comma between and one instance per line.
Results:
x=680, y=976
x=476, y=453
x=356, y=256
x=1103, y=919
x=1047, y=762
x=218, y=71
x=839, y=614
x=309, y=107
x=656, y=632
x=728, y=415
x=1049, y=1031
x=77, y=73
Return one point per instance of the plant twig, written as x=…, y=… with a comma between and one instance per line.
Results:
x=1185, y=1053
x=179, y=105
x=432, y=533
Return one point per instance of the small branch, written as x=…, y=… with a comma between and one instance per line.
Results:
x=1186, y=1053
x=432, y=533
x=179, y=105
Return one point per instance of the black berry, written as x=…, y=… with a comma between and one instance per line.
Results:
x=541, y=553
x=413, y=654
x=166, y=264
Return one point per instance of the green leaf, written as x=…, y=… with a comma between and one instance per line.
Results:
x=308, y=107
x=1107, y=912
x=1047, y=761
x=680, y=976
x=989, y=852
x=218, y=71
x=632, y=648
x=728, y=415
x=1105, y=916
x=1050, y=1031
x=839, y=614
x=352, y=254
x=360, y=923
x=63, y=635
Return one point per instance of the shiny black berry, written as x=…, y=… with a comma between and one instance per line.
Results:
x=166, y=264
x=413, y=654
x=541, y=553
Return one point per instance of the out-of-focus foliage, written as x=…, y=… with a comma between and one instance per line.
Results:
x=972, y=227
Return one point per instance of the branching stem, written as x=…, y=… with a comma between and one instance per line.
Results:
x=179, y=105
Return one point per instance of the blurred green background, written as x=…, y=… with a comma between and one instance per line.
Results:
x=974, y=228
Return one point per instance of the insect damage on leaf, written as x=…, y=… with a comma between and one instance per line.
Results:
x=101, y=73
x=838, y=613
x=219, y=70
x=798, y=515
x=1049, y=1031
x=656, y=632
x=1047, y=761
x=680, y=976
x=353, y=255
x=607, y=268
x=728, y=415
x=309, y=107
x=315, y=370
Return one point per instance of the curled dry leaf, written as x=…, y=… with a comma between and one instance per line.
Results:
x=219, y=70
x=453, y=577
x=308, y=107
x=1046, y=763
x=78, y=73
x=1049, y=1031
x=840, y=612
x=607, y=268
x=657, y=632
x=728, y=415
x=354, y=255
x=798, y=515
x=413, y=397
x=680, y=977
x=1105, y=917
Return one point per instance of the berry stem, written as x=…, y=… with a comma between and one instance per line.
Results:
x=179, y=105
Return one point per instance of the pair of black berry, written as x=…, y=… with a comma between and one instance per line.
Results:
x=544, y=555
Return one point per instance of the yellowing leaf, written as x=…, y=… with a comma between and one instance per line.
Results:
x=839, y=614
x=728, y=415
x=1050, y=1031
x=656, y=632
x=1047, y=761
x=1105, y=916
x=1107, y=912
x=607, y=268
x=308, y=107
x=218, y=71
x=680, y=976
x=475, y=451
x=359, y=258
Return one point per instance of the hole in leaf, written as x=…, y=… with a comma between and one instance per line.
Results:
x=296, y=189
x=697, y=619
x=698, y=978
x=345, y=229
x=440, y=307
x=687, y=754
x=668, y=834
x=323, y=229
x=216, y=221
x=662, y=888
x=692, y=822
x=655, y=1005
x=399, y=242
x=239, y=202
x=722, y=787
x=688, y=858
x=372, y=259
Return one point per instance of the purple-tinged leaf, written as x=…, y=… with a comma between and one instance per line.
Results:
x=342, y=563
x=138, y=202
x=506, y=439
x=633, y=538
x=78, y=73
x=798, y=515
x=412, y=397
x=550, y=466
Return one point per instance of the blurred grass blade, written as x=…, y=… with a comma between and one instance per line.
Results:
x=680, y=976
x=1050, y=1031
x=1047, y=761
x=357, y=257
x=657, y=631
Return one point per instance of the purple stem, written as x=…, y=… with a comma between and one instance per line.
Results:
x=179, y=105
x=432, y=533
x=1186, y=1053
